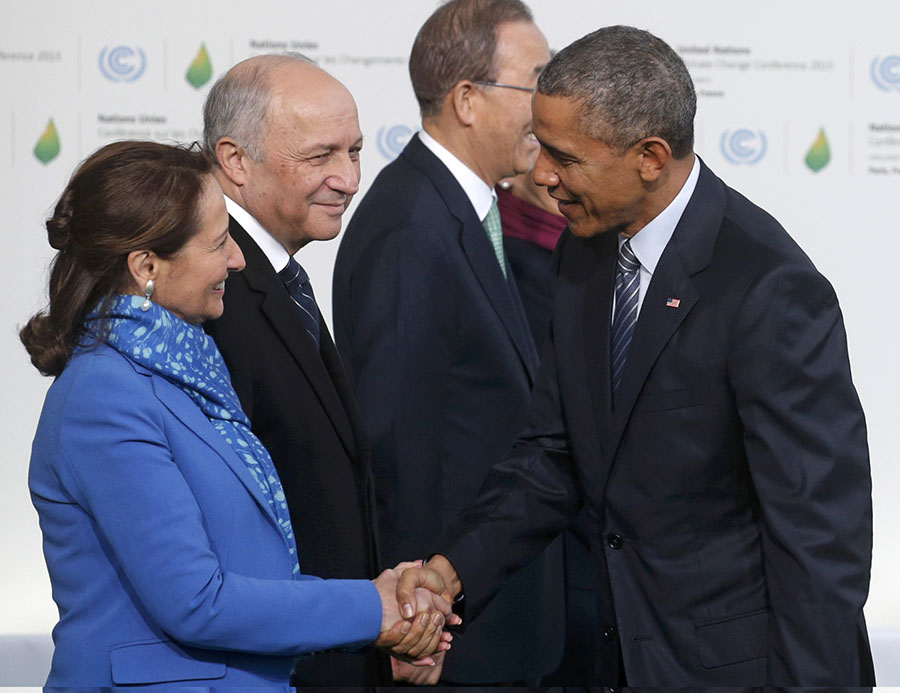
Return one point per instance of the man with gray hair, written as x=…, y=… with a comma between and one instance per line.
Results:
x=285, y=139
x=694, y=394
x=429, y=322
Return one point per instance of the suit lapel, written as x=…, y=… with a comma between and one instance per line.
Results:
x=501, y=291
x=480, y=254
x=596, y=317
x=279, y=310
x=688, y=252
x=656, y=325
x=186, y=411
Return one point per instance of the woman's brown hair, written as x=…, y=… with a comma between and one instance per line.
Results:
x=126, y=196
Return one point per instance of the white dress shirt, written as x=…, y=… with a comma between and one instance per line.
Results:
x=480, y=194
x=267, y=243
x=649, y=242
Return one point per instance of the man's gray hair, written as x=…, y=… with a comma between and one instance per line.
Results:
x=238, y=102
x=458, y=41
x=630, y=85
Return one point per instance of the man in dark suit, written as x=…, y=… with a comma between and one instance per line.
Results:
x=286, y=143
x=429, y=323
x=694, y=394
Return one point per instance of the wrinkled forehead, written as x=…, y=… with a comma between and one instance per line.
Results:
x=318, y=107
x=555, y=113
x=568, y=112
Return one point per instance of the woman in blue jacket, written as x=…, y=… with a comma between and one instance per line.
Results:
x=166, y=533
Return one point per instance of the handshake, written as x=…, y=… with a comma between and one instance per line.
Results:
x=416, y=604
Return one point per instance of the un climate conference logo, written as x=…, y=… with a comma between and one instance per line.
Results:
x=886, y=72
x=122, y=63
x=743, y=146
x=392, y=139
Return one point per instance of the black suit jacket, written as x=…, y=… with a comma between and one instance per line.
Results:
x=437, y=344
x=301, y=407
x=730, y=486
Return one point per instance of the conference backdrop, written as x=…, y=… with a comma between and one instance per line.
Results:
x=798, y=108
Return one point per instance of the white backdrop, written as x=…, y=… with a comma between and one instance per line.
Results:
x=773, y=79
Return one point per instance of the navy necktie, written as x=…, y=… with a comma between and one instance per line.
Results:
x=628, y=285
x=297, y=283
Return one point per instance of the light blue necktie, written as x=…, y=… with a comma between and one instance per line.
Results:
x=628, y=286
x=495, y=233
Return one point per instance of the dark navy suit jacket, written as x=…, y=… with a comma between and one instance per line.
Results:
x=729, y=487
x=438, y=347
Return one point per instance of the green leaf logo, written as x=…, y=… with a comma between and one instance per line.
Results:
x=47, y=147
x=819, y=153
x=200, y=70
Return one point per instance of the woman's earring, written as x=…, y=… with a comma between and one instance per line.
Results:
x=148, y=292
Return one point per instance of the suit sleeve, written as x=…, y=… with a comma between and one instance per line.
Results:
x=805, y=439
x=116, y=462
x=525, y=501
x=395, y=326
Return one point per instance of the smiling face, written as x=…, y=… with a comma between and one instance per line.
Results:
x=506, y=142
x=597, y=189
x=191, y=283
x=309, y=171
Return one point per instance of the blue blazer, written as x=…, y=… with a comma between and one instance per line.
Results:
x=165, y=561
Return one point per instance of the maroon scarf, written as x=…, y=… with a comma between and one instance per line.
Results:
x=523, y=220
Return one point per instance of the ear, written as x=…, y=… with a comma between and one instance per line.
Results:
x=143, y=265
x=654, y=155
x=462, y=98
x=231, y=159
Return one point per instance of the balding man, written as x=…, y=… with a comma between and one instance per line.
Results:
x=286, y=142
x=429, y=321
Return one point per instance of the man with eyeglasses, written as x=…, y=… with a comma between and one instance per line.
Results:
x=430, y=326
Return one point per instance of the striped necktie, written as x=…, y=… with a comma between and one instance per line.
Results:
x=297, y=283
x=628, y=285
x=495, y=233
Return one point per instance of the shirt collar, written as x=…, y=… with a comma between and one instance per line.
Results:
x=267, y=243
x=649, y=242
x=480, y=194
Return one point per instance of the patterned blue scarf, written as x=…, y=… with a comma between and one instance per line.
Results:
x=186, y=356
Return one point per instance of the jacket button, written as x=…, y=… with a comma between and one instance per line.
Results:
x=614, y=541
x=610, y=634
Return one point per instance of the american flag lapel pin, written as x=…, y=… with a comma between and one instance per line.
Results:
x=673, y=302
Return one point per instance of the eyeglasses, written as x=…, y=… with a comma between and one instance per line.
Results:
x=530, y=90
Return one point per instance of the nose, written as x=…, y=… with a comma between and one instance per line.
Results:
x=544, y=173
x=345, y=176
x=235, y=258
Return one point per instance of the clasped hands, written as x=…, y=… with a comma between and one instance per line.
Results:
x=415, y=606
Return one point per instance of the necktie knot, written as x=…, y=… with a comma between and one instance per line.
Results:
x=293, y=274
x=628, y=261
x=296, y=281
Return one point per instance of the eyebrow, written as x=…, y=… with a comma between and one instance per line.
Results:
x=557, y=153
x=319, y=146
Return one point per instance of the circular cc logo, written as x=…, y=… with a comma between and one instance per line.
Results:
x=122, y=63
x=886, y=72
x=392, y=139
x=743, y=146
